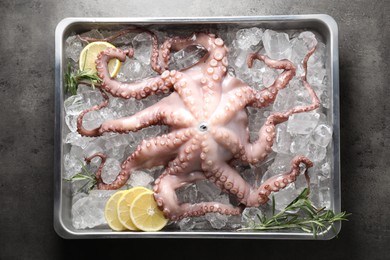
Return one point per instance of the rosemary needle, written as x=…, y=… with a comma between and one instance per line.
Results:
x=299, y=214
x=82, y=176
x=73, y=79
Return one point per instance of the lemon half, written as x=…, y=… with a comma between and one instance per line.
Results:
x=89, y=55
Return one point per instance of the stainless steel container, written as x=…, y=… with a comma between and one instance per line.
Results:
x=324, y=25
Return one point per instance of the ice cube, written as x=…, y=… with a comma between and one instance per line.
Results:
x=123, y=41
x=316, y=153
x=250, y=217
x=283, y=139
x=111, y=169
x=140, y=178
x=284, y=100
x=142, y=44
x=324, y=169
x=324, y=197
x=241, y=58
x=76, y=152
x=187, y=224
x=88, y=212
x=117, y=152
x=281, y=164
x=301, y=45
x=93, y=148
x=302, y=123
x=83, y=89
x=325, y=99
x=153, y=131
x=188, y=194
x=73, y=47
x=316, y=75
x=277, y=45
x=92, y=120
x=284, y=196
x=268, y=76
x=94, y=34
x=248, y=174
x=72, y=166
x=71, y=122
x=248, y=37
x=217, y=221
x=299, y=144
x=208, y=191
x=73, y=105
x=131, y=70
x=187, y=57
x=318, y=58
x=322, y=135
x=116, y=140
x=234, y=222
x=195, y=223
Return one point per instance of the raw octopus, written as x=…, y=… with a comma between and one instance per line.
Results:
x=208, y=125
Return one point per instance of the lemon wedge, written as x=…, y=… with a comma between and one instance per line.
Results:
x=89, y=55
x=145, y=214
x=111, y=213
x=124, y=204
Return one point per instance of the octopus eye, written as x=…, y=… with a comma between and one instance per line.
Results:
x=203, y=127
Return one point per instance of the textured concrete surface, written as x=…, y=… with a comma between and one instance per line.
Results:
x=26, y=135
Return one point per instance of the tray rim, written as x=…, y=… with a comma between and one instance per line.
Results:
x=63, y=231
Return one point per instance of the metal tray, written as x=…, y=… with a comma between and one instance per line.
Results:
x=320, y=23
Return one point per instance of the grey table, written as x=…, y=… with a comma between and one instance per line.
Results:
x=27, y=120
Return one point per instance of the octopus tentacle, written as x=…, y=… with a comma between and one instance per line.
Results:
x=150, y=153
x=189, y=97
x=229, y=180
x=186, y=158
x=137, y=90
x=217, y=170
x=215, y=70
x=235, y=100
x=230, y=141
x=276, y=183
x=153, y=115
x=168, y=202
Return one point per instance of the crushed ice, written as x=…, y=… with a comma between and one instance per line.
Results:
x=305, y=133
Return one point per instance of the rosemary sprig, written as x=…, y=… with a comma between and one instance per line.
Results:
x=73, y=79
x=85, y=174
x=299, y=214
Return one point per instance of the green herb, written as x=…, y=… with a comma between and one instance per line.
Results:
x=73, y=79
x=84, y=175
x=299, y=214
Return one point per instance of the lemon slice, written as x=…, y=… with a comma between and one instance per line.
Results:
x=89, y=55
x=111, y=213
x=124, y=204
x=145, y=214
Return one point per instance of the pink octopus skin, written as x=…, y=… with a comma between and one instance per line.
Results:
x=206, y=114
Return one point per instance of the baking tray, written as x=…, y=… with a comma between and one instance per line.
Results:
x=320, y=23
